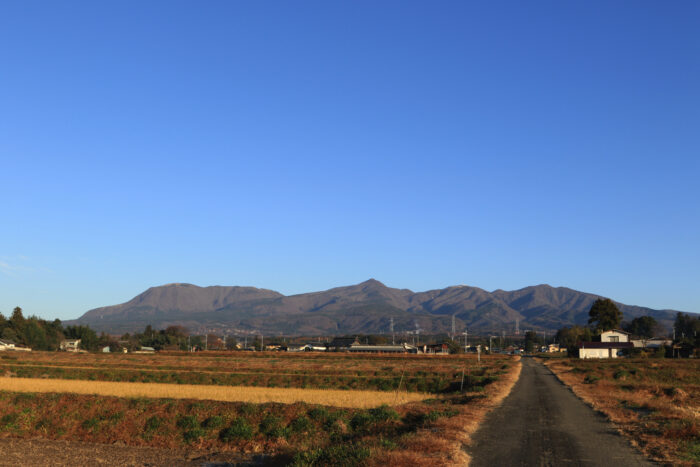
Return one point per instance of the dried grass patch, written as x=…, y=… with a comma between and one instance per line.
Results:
x=257, y=395
x=654, y=404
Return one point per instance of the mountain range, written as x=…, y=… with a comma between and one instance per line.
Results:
x=367, y=308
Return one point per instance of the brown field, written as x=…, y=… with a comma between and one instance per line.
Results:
x=256, y=395
x=654, y=402
x=313, y=425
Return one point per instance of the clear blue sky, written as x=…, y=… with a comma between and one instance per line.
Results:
x=300, y=146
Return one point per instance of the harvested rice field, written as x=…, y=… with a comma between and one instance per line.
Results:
x=257, y=395
x=281, y=409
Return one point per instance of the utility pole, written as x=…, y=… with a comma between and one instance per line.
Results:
x=206, y=343
x=453, y=328
x=391, y=328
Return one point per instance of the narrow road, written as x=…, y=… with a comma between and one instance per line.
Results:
x=542, y=423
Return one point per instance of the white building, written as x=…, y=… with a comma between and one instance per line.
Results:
x=6, y=345
x=612, y=344
x=70, y=345
x=615, y=335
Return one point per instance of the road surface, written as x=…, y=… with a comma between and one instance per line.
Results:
x=542, y=423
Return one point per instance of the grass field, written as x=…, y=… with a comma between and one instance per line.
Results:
x=655, y=402
x=339, y=426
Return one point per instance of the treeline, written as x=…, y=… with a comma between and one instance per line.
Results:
x=40, y=334
x=32, y=332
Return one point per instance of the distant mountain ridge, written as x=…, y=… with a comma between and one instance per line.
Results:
x=367, y=307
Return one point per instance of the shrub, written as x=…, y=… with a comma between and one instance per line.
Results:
x=361, y=421
x=383, y=413
x=193, y=435
x=152, y=424
x=271, y=427
x=339, y=455
x=213, y=422
x=319, y=414
x=301, y=424
x=591, y=379
x=90, y=424
x=239, y=429
x=187, y=422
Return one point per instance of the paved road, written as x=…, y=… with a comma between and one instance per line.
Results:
x=542, y=423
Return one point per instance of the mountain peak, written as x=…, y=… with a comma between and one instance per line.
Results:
x=372, y=281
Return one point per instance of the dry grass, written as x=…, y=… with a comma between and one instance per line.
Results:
x=655, y=403
x=257, y=395
x=443, y=444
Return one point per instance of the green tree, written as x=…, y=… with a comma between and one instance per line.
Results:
x=643, y=326
x=532, y=341
x=231, y=342
x=569, y=337
x=88, y=337
x=687, y=330
x=453, y=346
x=605, y=315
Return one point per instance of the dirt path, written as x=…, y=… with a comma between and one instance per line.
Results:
x=35, y=452
x=542, y=423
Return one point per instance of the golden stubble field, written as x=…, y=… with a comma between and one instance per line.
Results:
x=255, y=395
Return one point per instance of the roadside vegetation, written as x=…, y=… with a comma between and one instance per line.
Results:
x=654, y=402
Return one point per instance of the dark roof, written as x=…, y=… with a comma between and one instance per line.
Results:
x=606, y=345
x=343, y=341
x=6, y=342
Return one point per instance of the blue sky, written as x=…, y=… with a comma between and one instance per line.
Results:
x=300, y=146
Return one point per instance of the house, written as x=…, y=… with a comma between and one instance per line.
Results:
x=342, y=344
x=613, y=343
x=652, y=343
x=615, y=335
x=551, y=348
x=145, y=349
x=70, y=345
x=306, y=348
x=439, y=349
x=6, y=344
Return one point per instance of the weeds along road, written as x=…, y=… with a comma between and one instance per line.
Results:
x=542, y=423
